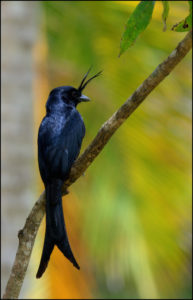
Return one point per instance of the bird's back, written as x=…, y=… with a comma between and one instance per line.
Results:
x=59, y=141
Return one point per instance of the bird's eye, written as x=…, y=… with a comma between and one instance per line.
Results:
x=74, y=94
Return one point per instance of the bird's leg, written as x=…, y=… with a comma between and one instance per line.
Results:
x=65, y=191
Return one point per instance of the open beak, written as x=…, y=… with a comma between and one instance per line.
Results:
x=84, y=98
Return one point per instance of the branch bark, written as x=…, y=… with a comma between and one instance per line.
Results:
x=28, y=233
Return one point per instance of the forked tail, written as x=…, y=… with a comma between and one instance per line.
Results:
x=55, y=227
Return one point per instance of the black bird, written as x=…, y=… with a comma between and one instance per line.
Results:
x=59, y=142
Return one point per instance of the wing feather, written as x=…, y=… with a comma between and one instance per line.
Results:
x=59, y=144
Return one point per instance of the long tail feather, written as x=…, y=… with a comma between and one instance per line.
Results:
x=55, y=228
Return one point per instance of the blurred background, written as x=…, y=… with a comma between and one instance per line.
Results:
x=129, y=218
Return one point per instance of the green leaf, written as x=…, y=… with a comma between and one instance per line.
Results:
x=186, y=24
x=136, y=24
x=165, y=13
x=190, y=6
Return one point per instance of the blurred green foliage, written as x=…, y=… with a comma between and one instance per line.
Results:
x=165, y=13
x=140, y=18
x=135, y=199
x=186, y=24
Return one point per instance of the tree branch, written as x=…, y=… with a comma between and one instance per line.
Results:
x=28, y=233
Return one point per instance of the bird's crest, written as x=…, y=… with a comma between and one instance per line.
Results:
x=83, y=83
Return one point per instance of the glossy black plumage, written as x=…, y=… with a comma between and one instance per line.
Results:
x=60, y=135
x=59, y=142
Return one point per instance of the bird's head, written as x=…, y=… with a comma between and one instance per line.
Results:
x=68, y=95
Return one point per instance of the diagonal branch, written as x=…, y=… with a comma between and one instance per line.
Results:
x=28, y=233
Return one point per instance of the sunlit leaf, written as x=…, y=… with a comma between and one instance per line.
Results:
x=165, y=13
x=186, y=24
x=190, y=6
x=136, y=24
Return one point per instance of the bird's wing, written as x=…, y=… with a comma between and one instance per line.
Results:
x=59, y=145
